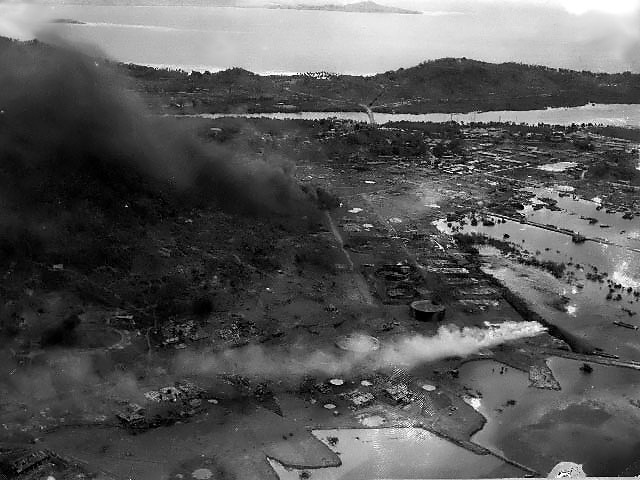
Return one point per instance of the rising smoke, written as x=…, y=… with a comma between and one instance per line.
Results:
x=66, y=381
x=71, y=130
x=406, y=351
x=62, y=382
x=77, y=146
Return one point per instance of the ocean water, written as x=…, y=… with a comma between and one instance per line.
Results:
x=290, y=41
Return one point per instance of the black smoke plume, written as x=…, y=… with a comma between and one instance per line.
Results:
x=76, y=141
x=63, y=334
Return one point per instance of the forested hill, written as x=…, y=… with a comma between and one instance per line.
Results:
x=508, y=85
x=444, y=85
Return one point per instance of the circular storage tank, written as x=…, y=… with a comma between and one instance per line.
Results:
x=427, y=311
x=358, y=342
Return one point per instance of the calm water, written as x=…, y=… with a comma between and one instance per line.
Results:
x=574, y=214
x=580, y=305
x=589, y=421
x=399, y=453
x=617, y=114
x=584, y=312
x=621, y=264
x=264, y=40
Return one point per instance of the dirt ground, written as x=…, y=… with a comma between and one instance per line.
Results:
x=250, y=310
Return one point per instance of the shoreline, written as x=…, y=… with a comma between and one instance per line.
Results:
x=438, y=116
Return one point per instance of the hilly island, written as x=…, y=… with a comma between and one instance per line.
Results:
x=445, y=85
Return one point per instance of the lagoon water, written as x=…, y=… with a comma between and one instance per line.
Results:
x=625, y=115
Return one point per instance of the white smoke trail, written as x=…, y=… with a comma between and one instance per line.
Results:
x=407, y=351
x=452, y=341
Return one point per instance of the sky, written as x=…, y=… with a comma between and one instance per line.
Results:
x=613, y=7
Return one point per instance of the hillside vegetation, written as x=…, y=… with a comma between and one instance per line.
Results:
x=445, y=85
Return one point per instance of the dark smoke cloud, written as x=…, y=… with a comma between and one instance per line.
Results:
x=62, y=334
x=70, y=129
x=76, y=142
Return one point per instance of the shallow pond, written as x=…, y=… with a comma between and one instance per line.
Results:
x=590, y=421
x=398, y=453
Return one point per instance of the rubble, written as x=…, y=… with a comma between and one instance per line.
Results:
x=398, y=394
x=174, y=333
x=133, y=417
x=358, y=399
x=238, y=332
x=28, y=464
x=541, y=376
x=184, y=399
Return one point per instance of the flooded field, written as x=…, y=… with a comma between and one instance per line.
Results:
x=397, y=453
x=583, y=301
x=586, y=217
x=591, y=420
x=584, y=312
x=621, y=264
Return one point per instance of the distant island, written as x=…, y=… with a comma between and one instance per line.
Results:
x=366, y=6
x=67, y=20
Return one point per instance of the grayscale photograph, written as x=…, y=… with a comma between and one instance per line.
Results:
x=319, y=239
